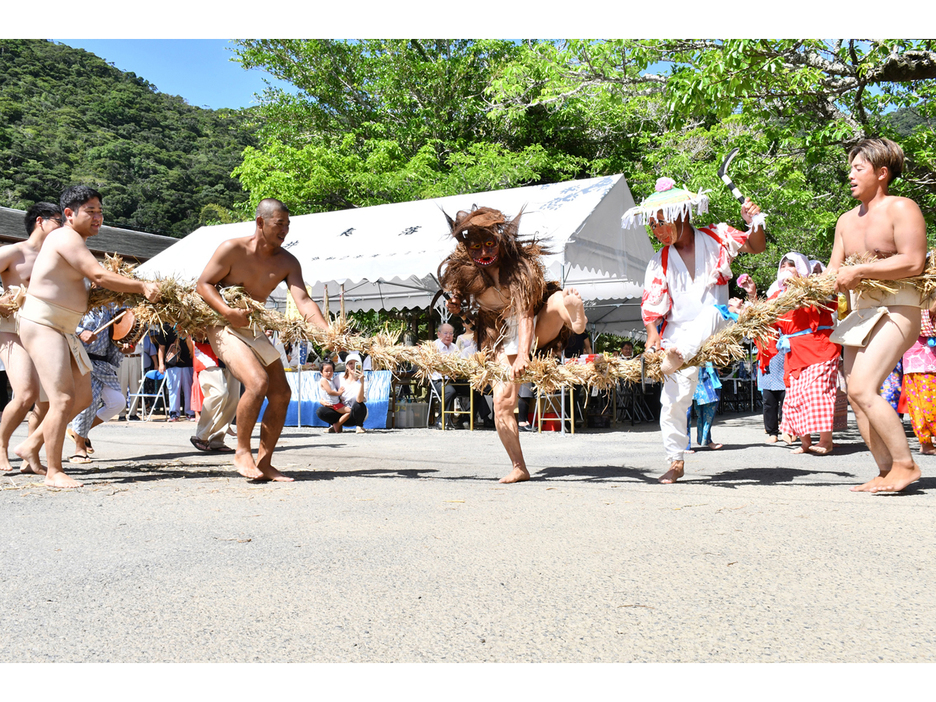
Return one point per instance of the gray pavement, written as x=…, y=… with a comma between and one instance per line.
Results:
x=400, y=546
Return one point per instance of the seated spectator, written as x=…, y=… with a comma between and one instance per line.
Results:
x=351, y=385
x=445, y=345
x=332, y=410
x=467, y=347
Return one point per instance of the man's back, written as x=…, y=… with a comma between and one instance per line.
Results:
x=16, y=263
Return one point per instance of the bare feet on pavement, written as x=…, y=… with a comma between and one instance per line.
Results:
x=871, y=484
x=517, y=475
x=31, y=461
x=244, y=464
x=675, y=472
x=897, y=479
x=59, y=479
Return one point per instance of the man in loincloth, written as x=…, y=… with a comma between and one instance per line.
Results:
x=500, y=278
x=16, y=264
x=893, y=229
x=258, y=263
x=56, y=302
x=685, y=294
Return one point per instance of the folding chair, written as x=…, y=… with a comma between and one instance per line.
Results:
x=142, y=396
x=457, y=401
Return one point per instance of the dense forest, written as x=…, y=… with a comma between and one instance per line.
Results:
x=67, y=116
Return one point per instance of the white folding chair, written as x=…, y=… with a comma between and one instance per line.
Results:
x=142, y=396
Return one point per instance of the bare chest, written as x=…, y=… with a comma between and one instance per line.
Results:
x=872, y=232
x=257, y=276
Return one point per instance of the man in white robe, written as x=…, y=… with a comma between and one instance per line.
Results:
x=686, y=282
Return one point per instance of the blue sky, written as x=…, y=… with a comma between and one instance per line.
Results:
x=199, y=70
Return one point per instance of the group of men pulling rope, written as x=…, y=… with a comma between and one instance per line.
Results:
x=495, y=279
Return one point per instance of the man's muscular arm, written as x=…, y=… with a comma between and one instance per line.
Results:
x=76, y=253
x=217, y=270
x=305, y=304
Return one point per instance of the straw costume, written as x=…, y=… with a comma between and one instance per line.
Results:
x=687, y=309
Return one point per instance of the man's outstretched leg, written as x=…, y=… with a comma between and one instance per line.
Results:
x=865, y=371
x=505, y=402
x=564, y=308
x=278, y=395
x=244, y=366
x=25, y=384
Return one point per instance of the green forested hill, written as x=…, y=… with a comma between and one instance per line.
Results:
x=67, y=116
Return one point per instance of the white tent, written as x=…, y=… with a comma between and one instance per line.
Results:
x=387, y=256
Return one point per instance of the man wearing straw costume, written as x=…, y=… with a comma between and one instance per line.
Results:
x=500, y=278
x=883, y=325
x=685, y=294
x=56, y=302
x=258, y=263
x=16, y=264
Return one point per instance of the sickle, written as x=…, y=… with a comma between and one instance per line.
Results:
x=723, y=174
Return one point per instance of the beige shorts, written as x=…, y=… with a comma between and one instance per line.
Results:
x=257, y=341
x=62, y=320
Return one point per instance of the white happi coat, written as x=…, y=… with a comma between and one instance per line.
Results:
x=686, y=305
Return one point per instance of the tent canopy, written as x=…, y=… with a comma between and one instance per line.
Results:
x=387, y=256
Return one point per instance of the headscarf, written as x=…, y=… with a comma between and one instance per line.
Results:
x=803, y=269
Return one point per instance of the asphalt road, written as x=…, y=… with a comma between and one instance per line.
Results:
x=400, y=546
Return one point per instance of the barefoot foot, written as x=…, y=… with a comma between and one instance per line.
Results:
x=61, y=480
x=871, y=484
x=576, y=309
x=675, y=472
x=271, y=474
x=244, y=464
x=31, y=461
x=821, y=450
x=898, y=479
x=926, y=449
x=771, y=439
x=517, y=475
x=672, y=362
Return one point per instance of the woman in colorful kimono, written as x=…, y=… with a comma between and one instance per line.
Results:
x=919, y=383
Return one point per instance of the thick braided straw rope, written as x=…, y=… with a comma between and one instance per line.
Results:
x=182, y=307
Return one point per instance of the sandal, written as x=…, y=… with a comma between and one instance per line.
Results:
x=199, y=444
x=79, y=458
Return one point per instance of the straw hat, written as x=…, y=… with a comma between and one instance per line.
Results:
x=674, y=202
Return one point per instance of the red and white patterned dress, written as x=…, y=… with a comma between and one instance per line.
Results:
x=811, y=372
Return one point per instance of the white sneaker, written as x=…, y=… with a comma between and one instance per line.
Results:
x=359, y=430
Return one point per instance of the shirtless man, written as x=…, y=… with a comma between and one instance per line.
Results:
x=501, y=280
x=258, y=263
x=56, y=302
x=893, y=229
x=16, y=264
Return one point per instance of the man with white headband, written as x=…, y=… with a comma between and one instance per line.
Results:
x=686, y=282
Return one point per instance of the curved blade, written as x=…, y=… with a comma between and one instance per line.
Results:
x=723, y=174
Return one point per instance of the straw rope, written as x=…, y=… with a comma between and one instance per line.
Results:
x=182, y=307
